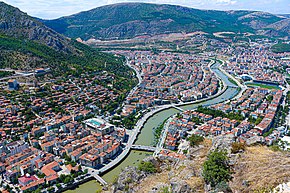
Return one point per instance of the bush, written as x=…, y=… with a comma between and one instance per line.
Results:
x=195, y=140
x=216, y=168
x=51, y=189
x=165, y=190
x=147, y=167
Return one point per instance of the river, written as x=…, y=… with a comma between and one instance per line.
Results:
x=93, y=186
x=146, y=136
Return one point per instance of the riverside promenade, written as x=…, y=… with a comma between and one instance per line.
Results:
x=138, y=127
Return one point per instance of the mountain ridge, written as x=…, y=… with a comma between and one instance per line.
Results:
x=27, y=44
x=128, y=20
x=17, y=24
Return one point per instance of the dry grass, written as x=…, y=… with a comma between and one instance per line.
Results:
x=261, y=168
x=148, y=183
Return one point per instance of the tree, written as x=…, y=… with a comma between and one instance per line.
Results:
x=258, y=121
x=179, y=116
x=147, y=167
x=195, y=140
x=62, y=177
x=196, y=120
x=68, y=179
x=216, y=168
x=51, y=189
x=269, y=98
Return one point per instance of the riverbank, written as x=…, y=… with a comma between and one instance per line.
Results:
x=143, y=130
x=93, y=186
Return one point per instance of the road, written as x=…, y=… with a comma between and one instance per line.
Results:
x=139, y=76
x=137, y=129
x=17, y=76
x=242, y=86
x=159, y=146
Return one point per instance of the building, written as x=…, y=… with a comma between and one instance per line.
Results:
x=13, y=84
x=99, y=125
x=26, y=179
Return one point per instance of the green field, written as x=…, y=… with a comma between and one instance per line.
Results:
x=262, y=85
x=279, y=48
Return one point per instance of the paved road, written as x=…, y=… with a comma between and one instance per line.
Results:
x=17, y=76
x=137, y=129
x=159, y=146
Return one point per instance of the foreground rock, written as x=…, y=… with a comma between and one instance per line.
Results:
x=173, y=175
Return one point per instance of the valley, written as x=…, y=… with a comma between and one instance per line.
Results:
x=138, y=97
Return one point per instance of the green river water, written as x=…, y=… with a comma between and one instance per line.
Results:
x=146, y=136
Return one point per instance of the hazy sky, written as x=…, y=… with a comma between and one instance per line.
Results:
x=50, y=9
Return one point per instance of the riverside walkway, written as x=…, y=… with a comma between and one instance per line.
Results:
x=137, y=129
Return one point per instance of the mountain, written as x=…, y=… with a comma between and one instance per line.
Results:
x=127, y=20
x=26, y=43
x=17, y=24
x=285, y=15
x=281, y=26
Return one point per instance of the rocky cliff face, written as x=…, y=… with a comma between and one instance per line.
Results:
x=17, y=24
x=174, y=175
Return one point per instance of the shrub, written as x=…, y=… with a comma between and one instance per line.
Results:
x=195, y=140
x=236, y=147
x=147, y=167
x=216, y=168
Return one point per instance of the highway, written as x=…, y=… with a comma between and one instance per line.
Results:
x=16, y=76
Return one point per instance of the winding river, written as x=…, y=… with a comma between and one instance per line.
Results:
x=146, y=136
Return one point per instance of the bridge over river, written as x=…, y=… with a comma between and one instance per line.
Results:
x=144, y=148
x=230, y=92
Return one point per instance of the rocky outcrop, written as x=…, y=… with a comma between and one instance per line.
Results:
x=179, y=186
x=17, y=24
x=128, y=177
x=176, y=185
x=173, y=175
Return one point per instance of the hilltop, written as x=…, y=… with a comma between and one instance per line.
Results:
x=26, y=44
x=16, y=24
x=127, y=20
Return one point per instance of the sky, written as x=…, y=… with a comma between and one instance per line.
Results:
x=51, y=9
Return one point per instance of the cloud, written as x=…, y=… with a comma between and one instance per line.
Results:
x=50, y=9
x=226, y=2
